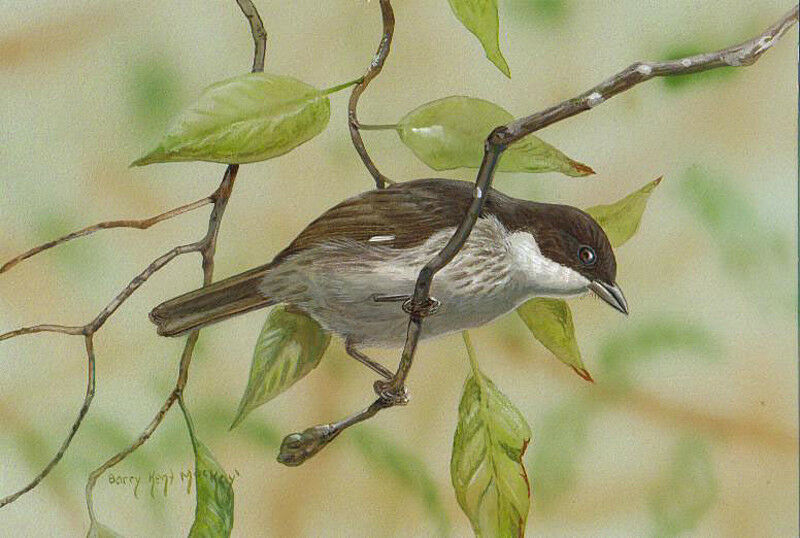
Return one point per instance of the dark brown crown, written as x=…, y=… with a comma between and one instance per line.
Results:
x=411, y=212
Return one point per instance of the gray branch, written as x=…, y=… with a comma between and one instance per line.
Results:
x=299, y=447
x=500, y=138
x=206, y=247
x=374, y=69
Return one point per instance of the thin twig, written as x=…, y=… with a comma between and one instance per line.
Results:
x=258, y=31
x=87, y=400
x=298, y=447
x=372, y=71
x=137, y=224
x=499, y=139
x=206, y=247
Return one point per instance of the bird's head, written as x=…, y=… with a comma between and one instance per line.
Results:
x=573, y=254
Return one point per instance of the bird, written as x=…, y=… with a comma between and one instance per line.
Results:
x=345, y=267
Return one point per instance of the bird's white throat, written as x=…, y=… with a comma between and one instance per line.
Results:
x=545, y=277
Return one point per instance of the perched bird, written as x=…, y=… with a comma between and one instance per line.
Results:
x=373, y=245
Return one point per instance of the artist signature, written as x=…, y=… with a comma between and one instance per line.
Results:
x=161, y=481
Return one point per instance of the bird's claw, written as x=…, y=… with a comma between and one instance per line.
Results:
x=391, y=394
x=296, y=448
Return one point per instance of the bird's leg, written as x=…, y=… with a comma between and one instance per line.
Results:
x=298, y=447
x=394, y=388
x=349, y=347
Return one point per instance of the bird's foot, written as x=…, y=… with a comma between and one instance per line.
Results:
x=388, y=392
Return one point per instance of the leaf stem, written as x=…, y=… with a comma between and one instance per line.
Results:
x=378, y=127
x=340, y=87
x=189, y=422
x=473, y=357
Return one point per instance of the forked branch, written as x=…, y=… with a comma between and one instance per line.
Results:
x=743, y=54
x=300, y=446
x=374, y=69
x=206, y=247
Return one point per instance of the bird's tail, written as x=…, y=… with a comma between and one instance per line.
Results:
x=216, y=302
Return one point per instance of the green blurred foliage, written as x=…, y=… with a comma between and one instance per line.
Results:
x=745, y=244
x=561, y=438
x=154, y=93
x=407, y=468
x=686, y=490
x=544, y=13
x=627, y=349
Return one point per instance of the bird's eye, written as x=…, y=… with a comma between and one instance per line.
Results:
x=587, y=255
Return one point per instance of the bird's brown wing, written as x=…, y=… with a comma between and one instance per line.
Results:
x=407, y=212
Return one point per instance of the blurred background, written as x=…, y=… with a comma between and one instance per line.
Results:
x=692, y=423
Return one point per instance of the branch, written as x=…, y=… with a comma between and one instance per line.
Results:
x=137, y=224
x=259, y=34
x=372, y=71
x=87, y=400
x=206, y=247
x=421, y=304
x=298, y=447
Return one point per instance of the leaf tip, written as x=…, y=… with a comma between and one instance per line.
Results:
x=157, y=155
x=583, y=373
x=657, y=181
x=582, y=169
x=500, y=62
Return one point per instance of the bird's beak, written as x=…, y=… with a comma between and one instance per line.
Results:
x=611, y=294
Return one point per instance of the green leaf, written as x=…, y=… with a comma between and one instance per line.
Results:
x=407, y=468
x=480, y=17
x=562, y=435
x=213, y=516
x=450, y=133
x=621, y=219
x=486, y=466
x=98, y=530
x=290, y=345
x=244, y=119
x=686, y=491
x=550, y=322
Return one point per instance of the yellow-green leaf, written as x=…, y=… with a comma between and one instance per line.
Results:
x=550, y=322
x=213, y=516
x=486, y=466
x=244, y=119
x=621, y=219
x=480, y=17
x=290, y=345
x=450, y=133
